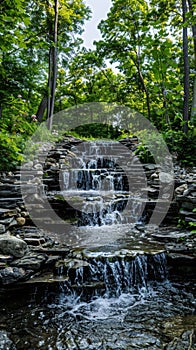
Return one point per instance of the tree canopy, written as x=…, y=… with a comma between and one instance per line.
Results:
x=44, y=67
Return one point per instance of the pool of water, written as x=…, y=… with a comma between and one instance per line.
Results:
x=161, y=316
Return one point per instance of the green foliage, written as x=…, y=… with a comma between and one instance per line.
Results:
x=97, y=131
x=144, y=154
x=189, y=225
x=183, y=146
x=25, y=40
x=142, y=38
x=10, y=146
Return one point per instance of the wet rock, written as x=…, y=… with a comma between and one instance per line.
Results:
x=5, y=258
x=70, y=265
x=187, y=341
x=12, y=245
x=170, y=236
x=34, y=241
x=5, y=342
x=30, y=262
x=181, y=265
x=11, y=275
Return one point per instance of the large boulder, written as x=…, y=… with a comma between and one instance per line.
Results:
x=12, y=245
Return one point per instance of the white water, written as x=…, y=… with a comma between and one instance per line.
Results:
x=103, y=186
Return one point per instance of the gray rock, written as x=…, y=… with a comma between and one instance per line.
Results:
x=181, y=189
x=12, y=245
x=6, y=221
x=30, y=262
x=5, y=342
x=28, y=165
x=38, y=166
x=5, y=258
x=2, y=228
x=11, y=275
x=188, y=206
x=166, y=177
x=150, y=166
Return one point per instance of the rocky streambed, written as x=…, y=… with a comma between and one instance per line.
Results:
x=129, y=286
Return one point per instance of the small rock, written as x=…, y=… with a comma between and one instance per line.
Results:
x=11, y=274
x=154, y=176
x=28, y=165
x=21, y=221
x=12, y=245
x=179, y=190
x=34, y=241
x=38, y=166
x=150, y=166
x=2, y=228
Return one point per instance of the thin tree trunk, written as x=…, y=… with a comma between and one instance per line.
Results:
x=53, y=69
x=146, y=92
x=41, y=109
x=186, y=68
x=143, y=86
x=193, y=109
x=165, y=105
x=138, y=66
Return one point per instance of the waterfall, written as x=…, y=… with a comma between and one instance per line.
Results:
x=102, y=185
x=113, y=275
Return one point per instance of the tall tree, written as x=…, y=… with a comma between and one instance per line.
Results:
x=192, y=20
x=186, y=67
x=52, y=72
x=123, y=34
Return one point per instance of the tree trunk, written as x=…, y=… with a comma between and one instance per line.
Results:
x=144, y=86
x=193, y=109
x=186, y=68
x=41, y=109
x=52, y=76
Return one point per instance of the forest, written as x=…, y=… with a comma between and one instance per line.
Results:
x=97, y=206
x=45, y=68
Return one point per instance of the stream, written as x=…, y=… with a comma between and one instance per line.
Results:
x=159, y=316
x=115, y=292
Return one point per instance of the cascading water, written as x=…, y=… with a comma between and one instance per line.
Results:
x=114, y=275
x=114, y=293
x=104, y=185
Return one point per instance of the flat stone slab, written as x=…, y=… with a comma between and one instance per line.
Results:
x=174, y=236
